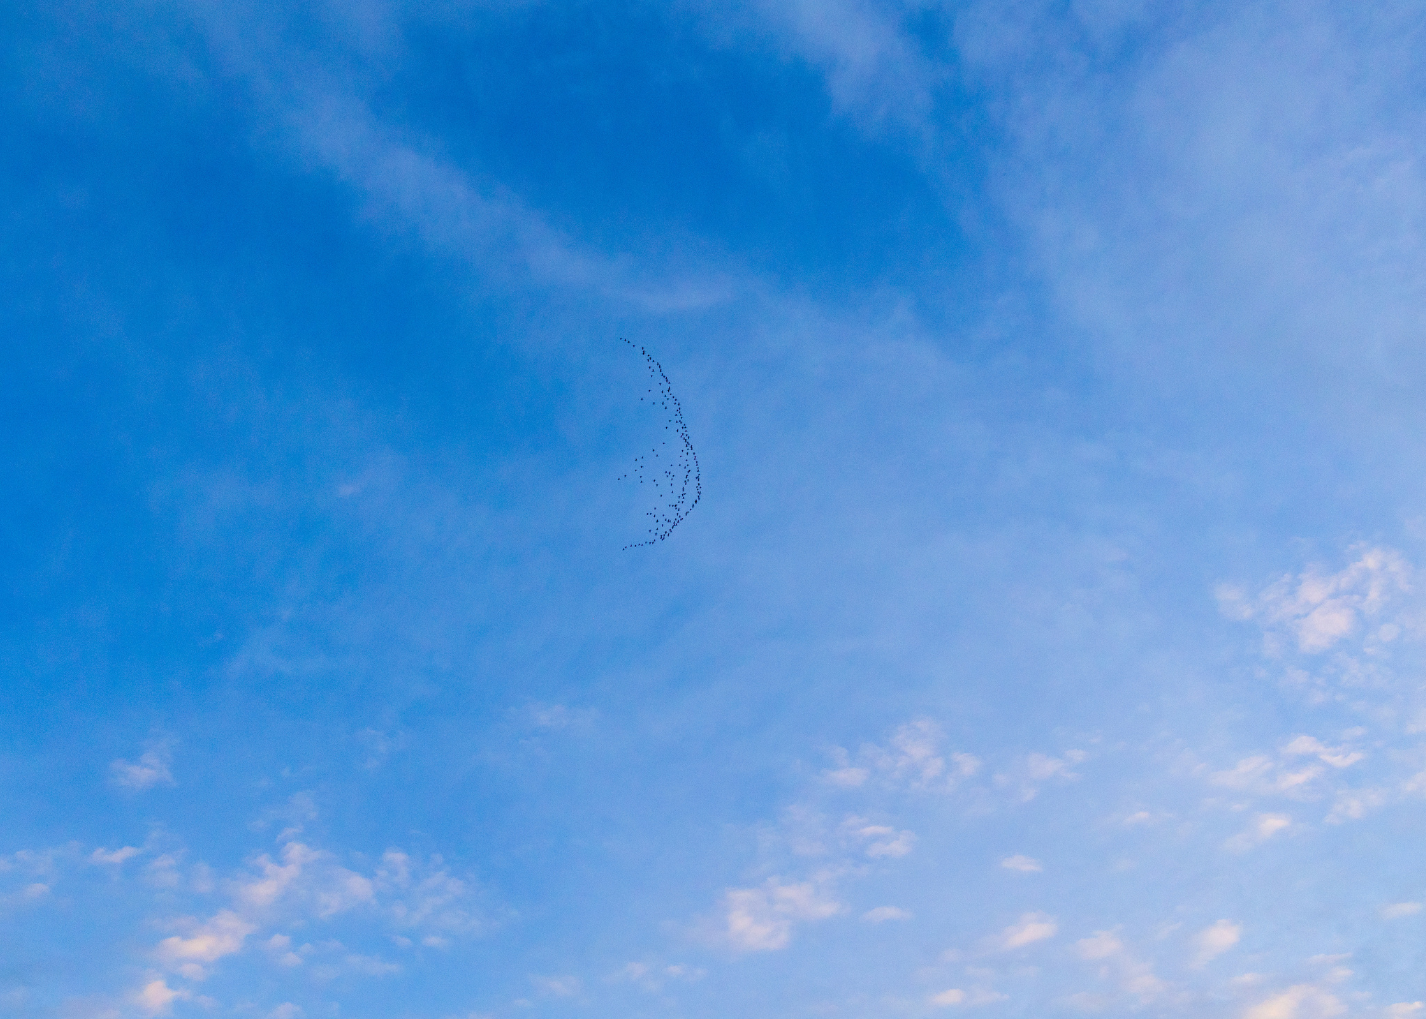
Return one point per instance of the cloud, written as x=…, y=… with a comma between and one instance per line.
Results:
x=653, y=977
x=280, y=947
x=151, y=769
x=881, y=914
x=1100, y=945
x=1355, y=804
x=1264, y=776
x=762, y=919
x=1036, y=769
x=1303, y=1001
x=1023, y=864
x=878, y=841
x=1132, y=976
x=1214, y=941
x=287, y=1010
x=873, y=68
x=558, y=716
x=914, y=759
x=304, y=875
x=222, y=935
x=1264, y=827
x=1404, y=1009
x=1030, y=928
x=157, y=998
x=955, y=996
x=1320, y=610
x=425, y=894
x=847, y=777
x=1397, y=910
x=117, y=856
x=370, y=965
x=309, y=884
x=1337, y=757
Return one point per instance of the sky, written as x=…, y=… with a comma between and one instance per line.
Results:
x=1047, y=640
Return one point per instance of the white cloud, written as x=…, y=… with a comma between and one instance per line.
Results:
x=1023, y=864
x=1037, y=769
x=914, y=753
x=1264, y=776
x=1320, y=610
x=1404, y=1009
x=1355, y=804
x=1397, y=910
x=1337, y=757
x=878, y=840
x=222, y=935
x=370, y=965
x=915, y=758
x=873, y=68
x=1132, y=976
x=1214, y=941
x=1100, y=945
x=280, y=947
x=305, y=875
x=151, y=769
x=310, y=885
x=287, y=1010
x=1303, y=1001
x=881, y=914
x=762, y=919
x=1264, y=827
x=955, y=996
x=425, y=895
x=1030, y=928
x=157, y=998
x=115, y=857
x=652, y=977
x=847, y=777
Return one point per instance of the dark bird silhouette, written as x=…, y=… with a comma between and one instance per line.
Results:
x=676, y=481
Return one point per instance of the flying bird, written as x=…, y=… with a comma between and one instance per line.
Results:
x=673, y=473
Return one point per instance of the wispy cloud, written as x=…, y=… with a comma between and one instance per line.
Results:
x=1022, y=864
x=1030, y=928
x=1261, y=829
x=762, y=919
x=881, y=914
x=151, y=769
x=1214, y=941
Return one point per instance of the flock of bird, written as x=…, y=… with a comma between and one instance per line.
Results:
x=672, y=473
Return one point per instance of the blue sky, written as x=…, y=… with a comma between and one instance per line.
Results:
x=1047, y=640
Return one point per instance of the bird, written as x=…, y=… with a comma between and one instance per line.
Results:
x=680, y=498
